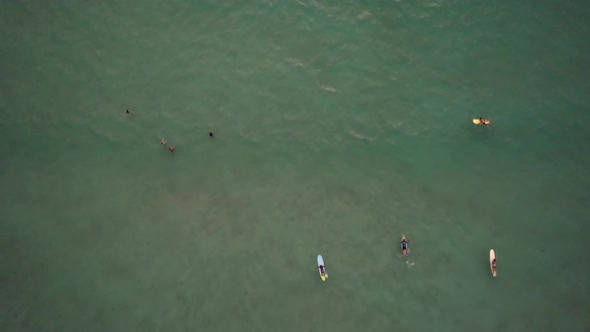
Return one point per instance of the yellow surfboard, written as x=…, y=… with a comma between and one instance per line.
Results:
x=478, y=121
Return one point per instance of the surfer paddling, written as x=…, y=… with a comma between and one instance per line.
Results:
x=494, y=266
x=404, y=244
x=482, y=121
x=322, y=268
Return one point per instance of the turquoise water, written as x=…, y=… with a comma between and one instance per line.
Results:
x=340, y=126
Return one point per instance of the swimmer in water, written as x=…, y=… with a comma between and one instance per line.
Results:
x=129, y=112
x=211, y=134
x=171, y=148
x=163, y=141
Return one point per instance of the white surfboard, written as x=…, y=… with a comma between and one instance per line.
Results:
x=492, y=257
x=324, y=274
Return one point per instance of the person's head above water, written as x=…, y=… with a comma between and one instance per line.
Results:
x=211, y=134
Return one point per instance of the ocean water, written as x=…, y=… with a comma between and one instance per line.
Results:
x=340, y=126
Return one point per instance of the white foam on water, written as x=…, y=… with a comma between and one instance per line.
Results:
x=295, y=62
x=364, y=14
x=328, y=88
x=361, y=136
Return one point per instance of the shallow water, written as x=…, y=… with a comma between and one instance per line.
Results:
x=339, y=127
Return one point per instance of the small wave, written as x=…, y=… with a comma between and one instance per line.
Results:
x=360, y=136
x=349, y=47
x=295, y=62
x=363, y=15
x=327, y=88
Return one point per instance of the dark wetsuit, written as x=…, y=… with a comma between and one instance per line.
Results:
x=404, y=245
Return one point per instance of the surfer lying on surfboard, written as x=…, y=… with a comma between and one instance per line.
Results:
x=323, y=272
x=494, y=265
x=404, y=246
x=481, y=121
